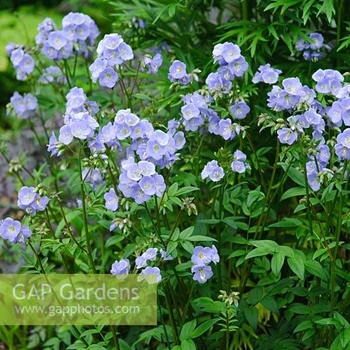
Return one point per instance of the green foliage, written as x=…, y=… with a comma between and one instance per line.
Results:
x=282, y=281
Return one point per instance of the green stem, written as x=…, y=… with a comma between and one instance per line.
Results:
x=174, y=227
x=37, y=257
x=307, y=190
x=189, y=297
x=244, y=10
x=227, y=333
x=115, y=337
x=86, y=224
x=337, y=240
x=171, y=315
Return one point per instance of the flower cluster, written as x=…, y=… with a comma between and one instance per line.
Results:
x=152, y=64
x=310, y=117
x=232, y=64
x=178, y=74
x=112, y=51
x=24, y=106
x=239, y=163
x=213, y=171
x=293, y=95
x=195, y=111
x=22, y=61
x=79, y=121
x=311, y=48
x=149, y=273
x=77, y=35
x=14, y=231
x=342, y=148
x=52, y=75
x=92, y=176
x=216, y=173
x=140, y=180
x=30, y=201
x=266, y=74
x=201, y=258
x=328, y=81
x=121, y=267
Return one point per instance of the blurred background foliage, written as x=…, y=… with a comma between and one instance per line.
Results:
x=265, y=30
x=19, y=20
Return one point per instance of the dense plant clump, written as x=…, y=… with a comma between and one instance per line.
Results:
x=227, y=183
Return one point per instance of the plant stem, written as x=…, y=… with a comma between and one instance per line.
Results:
x=86, y=224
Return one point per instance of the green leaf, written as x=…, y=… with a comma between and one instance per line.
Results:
x=315, y=268
x=252, y=316
x=287, y=251
x=287, y=223
x=254, y=196
x=296, y=175
x=258, y=252
x=271, y=304
x=173, y=189
x=206, y=304
x=186, y=233
x=308, y=334
x=277, y=263
x=238, y=252
x=341, y=319
x=265, y=243
x=198, y=238
x=186, y=189
x=302, y=326
x=319, y=252
x=293, y=192
x=113, y=240
x=142, y=96
x=187, y=329
x=210, y=221
x=77, y=345
x=188, y=344
x=230, y=222
x=203, y=327
x=300, y=309
x=328, y=322
x=188, y=246
x=328, y=9
x=344, y=336
x=297, y=265
x=255, y=295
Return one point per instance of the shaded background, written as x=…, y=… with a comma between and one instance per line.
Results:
x=19, y=20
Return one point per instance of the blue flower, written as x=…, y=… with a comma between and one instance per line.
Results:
x=150, y=274
x=152, y=64
x=24, y=106
x=226, y=53
x=111, y=200
x=13, y=231
x=30, y=201
x=239, y=110
x=121, y=267
x=201, y=273
x=213, y=171
x=201, y=255
x=287, y=136
x=112, y=52
x=108, y=77
x=266, y=74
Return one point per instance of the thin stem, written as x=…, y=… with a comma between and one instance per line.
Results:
x=115, y=337
x=86, y=224
x=37, y=257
